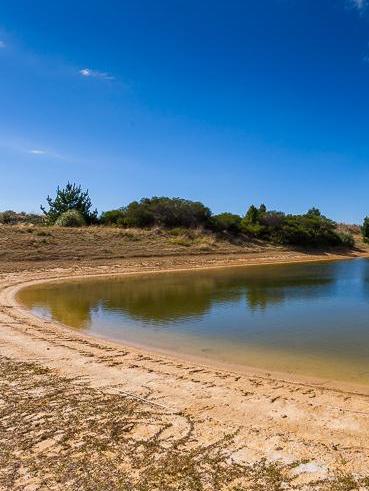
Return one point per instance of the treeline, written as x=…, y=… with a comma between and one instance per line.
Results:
x=310, y=229
x=72, y=206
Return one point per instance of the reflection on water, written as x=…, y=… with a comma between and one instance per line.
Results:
x=309, y=318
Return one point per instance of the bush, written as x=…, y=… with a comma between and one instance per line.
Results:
x=226, y=222
x=309, y=230
x=113, y=217
x=70, y=198
x=10, y=217
x=252, y=229
x=164, y=212
x=70, y=218
x=347, y=239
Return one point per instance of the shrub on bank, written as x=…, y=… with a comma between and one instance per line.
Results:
x=70, y=218
x=347, y=239
x=161, y=212
x=113, y=217
x=226, y=222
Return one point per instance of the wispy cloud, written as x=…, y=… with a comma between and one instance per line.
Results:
x=37, y=151
x=89, y=73
x=360, y=5
x=2, y=44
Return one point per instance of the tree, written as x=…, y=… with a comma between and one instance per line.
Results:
x=365, y=229
x=252, y=215
x=70, y=198
x=314, y=212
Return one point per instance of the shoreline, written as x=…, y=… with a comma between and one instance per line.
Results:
x=282, y=421
x=343, y=386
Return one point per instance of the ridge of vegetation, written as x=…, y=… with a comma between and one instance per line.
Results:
x=72, y=207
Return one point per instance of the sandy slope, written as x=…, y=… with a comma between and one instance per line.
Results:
x=82, y=413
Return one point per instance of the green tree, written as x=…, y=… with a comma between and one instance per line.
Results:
x=314, y=212
x=72, y=197
x=252, y=215
x=365, y=229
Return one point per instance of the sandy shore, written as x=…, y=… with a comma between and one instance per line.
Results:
x=83, y=413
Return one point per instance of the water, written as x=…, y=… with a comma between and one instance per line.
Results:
x=310, y=319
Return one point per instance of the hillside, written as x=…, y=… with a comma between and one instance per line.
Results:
x=29, y=247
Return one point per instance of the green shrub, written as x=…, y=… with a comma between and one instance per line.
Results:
x=347, y=239
x=309, y=230
x=9, y=217
x=251, y=229
x=113, y=217
x=70, y=218
x=164, y=212
x=365, y=229
x=226, y=222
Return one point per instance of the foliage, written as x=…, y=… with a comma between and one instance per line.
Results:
x=226, y=222
x=70, y=198
x=72, y=207
x=162, y=212
x=311, y=229
x=10, y=217
x=365, y=229
x=308, y=230
x=314, y=212
x=252, y=215
x=347, y=239
x=113, y=217
x=70, y=218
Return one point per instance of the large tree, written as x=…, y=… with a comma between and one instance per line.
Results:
x=72, y=197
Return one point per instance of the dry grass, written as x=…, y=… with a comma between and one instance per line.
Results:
x=57, y=433
x=60, y=434
x=22, y=246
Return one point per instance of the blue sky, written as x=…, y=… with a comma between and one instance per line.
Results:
x=227, y=102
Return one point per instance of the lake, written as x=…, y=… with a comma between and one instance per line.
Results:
x=307, y=318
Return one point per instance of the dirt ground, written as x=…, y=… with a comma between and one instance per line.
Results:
x=81, y=413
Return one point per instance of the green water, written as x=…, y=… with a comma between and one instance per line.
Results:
x=310, y=319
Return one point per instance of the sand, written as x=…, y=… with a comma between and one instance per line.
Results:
x=79, y=412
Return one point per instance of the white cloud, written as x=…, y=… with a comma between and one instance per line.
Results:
x=360, y=5
x=2, y=44
x=37, y=152
x=89, y=73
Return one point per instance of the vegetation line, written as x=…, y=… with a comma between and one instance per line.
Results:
x=72, y=207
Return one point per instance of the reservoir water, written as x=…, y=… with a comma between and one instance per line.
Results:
x=308, y=318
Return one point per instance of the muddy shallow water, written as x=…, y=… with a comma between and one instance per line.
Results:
x=309, y=319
